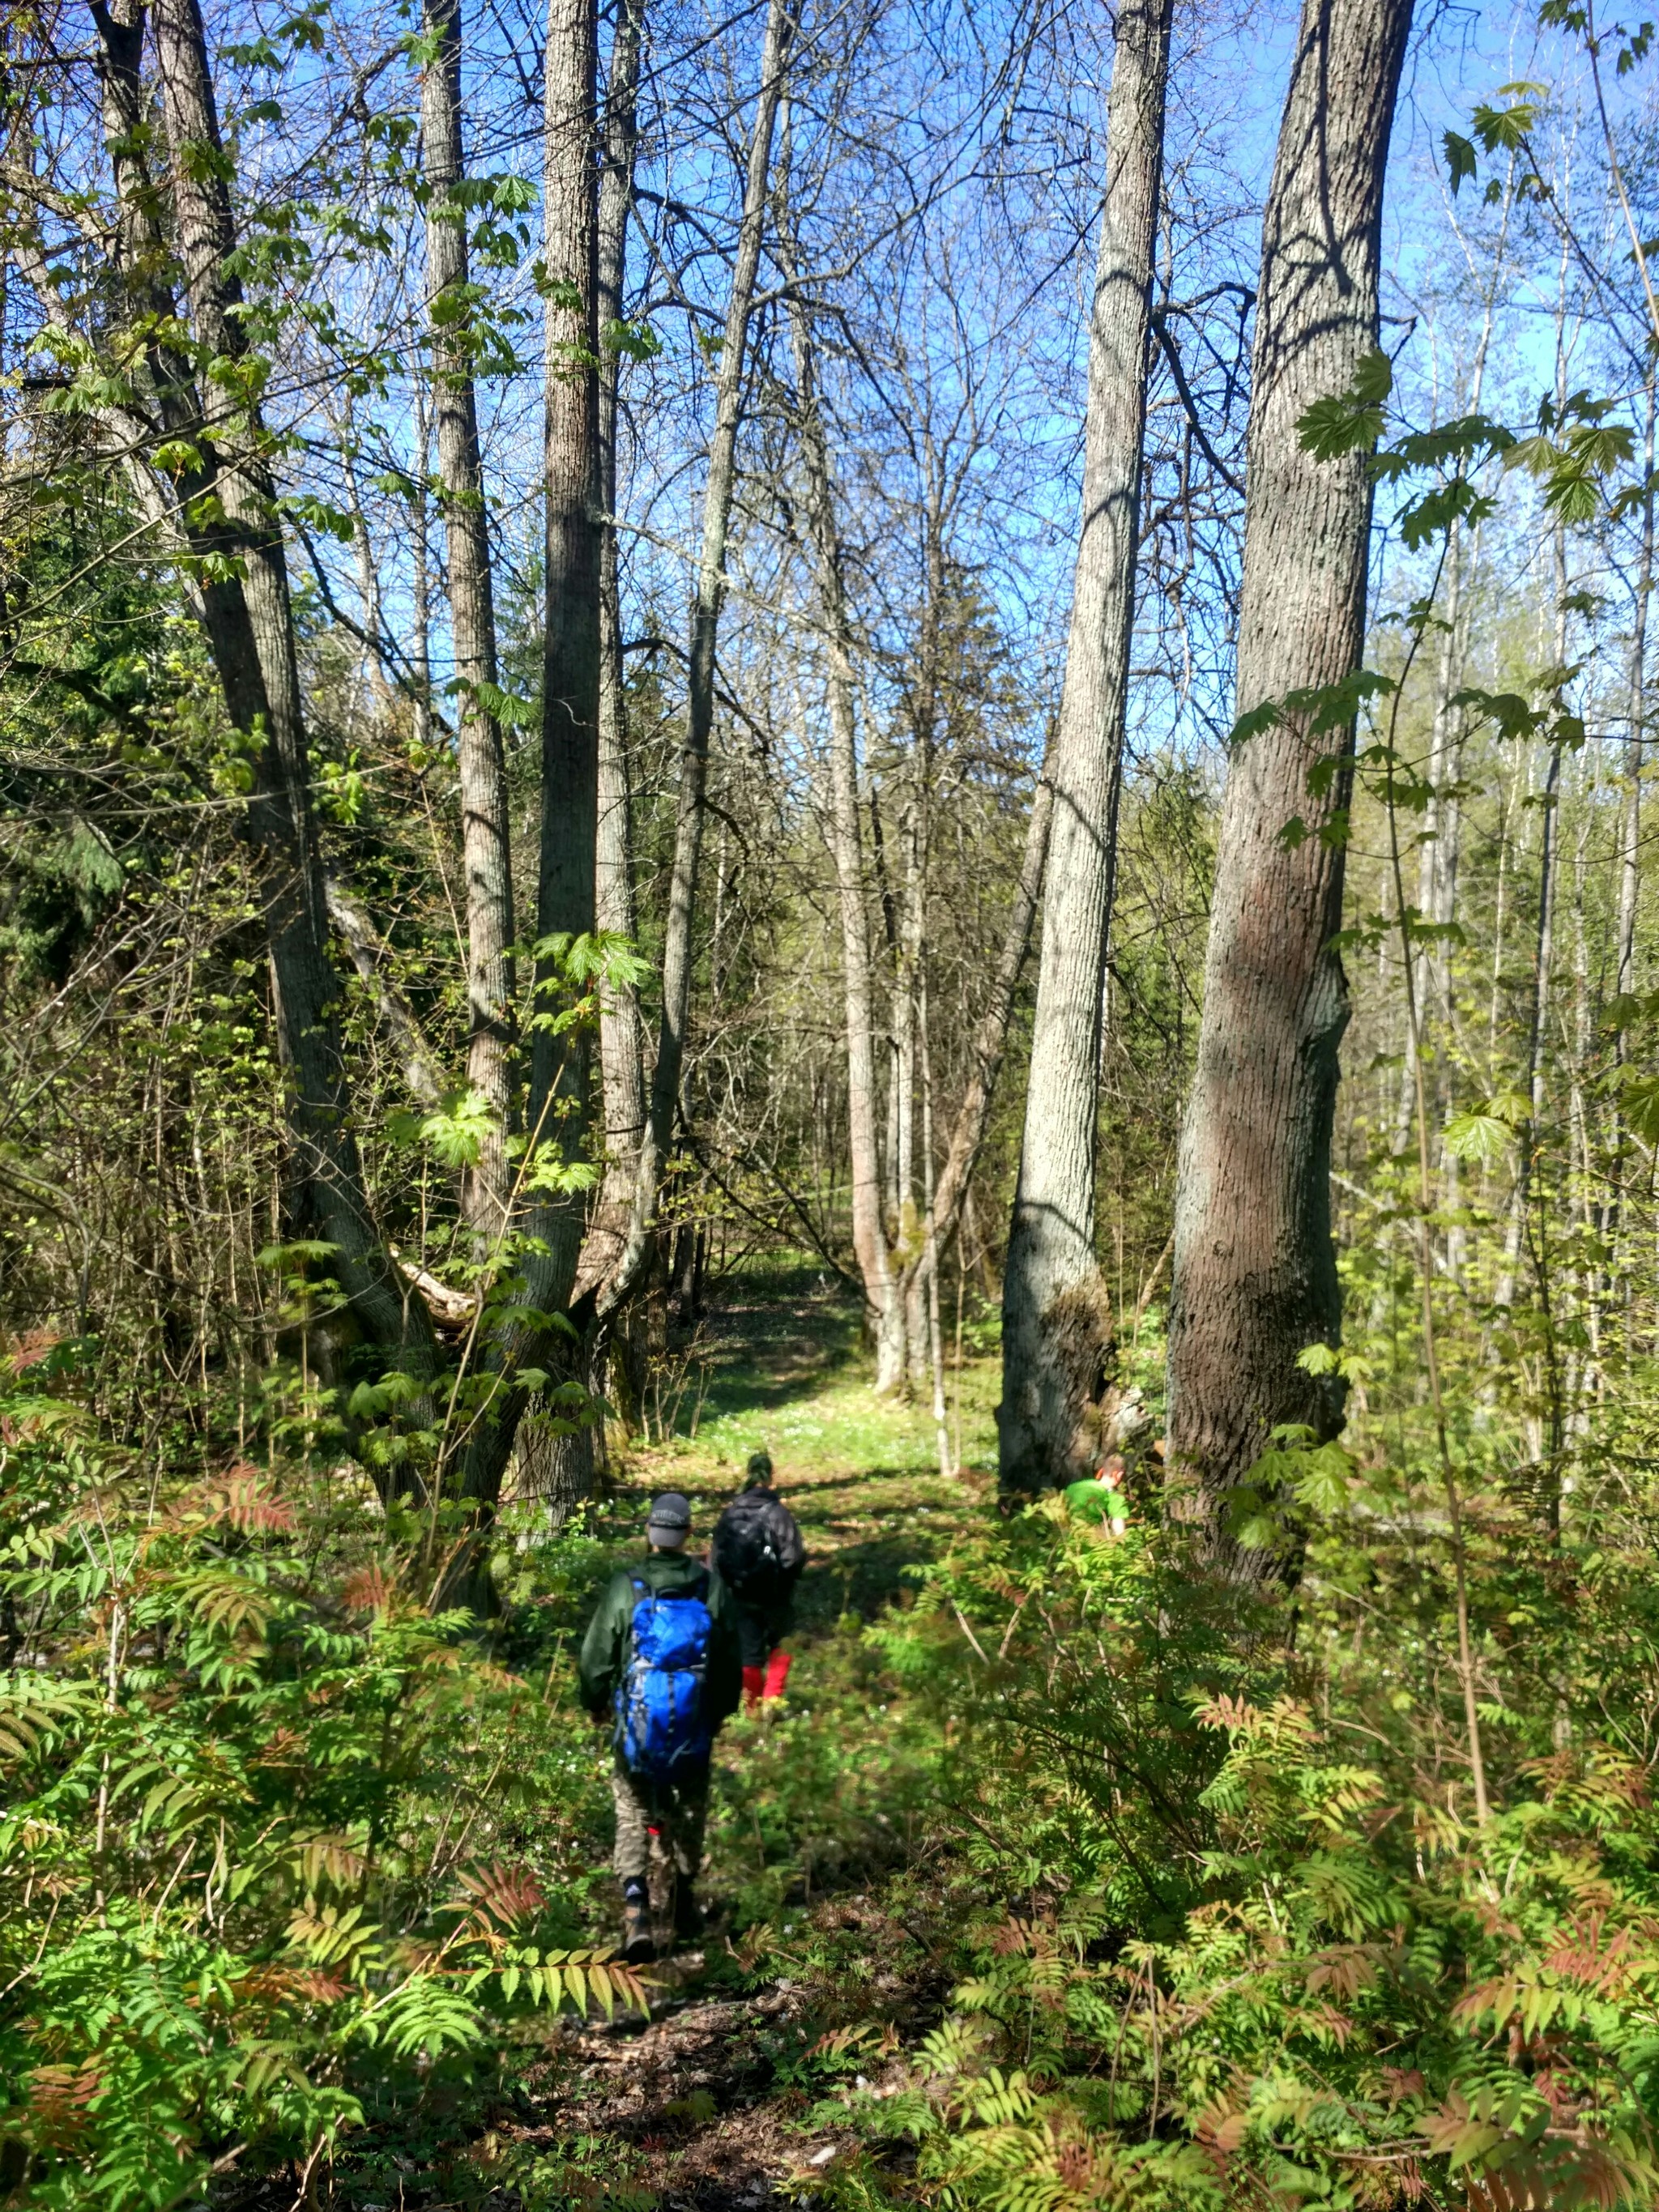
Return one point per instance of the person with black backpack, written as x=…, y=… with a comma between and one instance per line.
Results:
x=661, y=1662
x=759, y=1554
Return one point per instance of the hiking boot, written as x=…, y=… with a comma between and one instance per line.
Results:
x=688, y=1920
x=639, y=1945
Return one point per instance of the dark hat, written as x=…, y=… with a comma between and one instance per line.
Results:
x=759, y=1469
x=670, y=1522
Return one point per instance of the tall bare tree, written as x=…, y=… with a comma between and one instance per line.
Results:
x=558, y=1107
x=1256, y=1278
x=486, y=857
x=884, y=1309
x=708, y=601
x=1055, y=1320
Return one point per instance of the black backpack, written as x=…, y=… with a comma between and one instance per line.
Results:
x=757, y=1547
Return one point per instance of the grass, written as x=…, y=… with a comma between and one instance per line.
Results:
x=787, y=1375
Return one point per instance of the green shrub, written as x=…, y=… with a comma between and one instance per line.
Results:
x=279, y=1849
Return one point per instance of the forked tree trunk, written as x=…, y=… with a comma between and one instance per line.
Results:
x=486, y=857
x=677, y=949
x=1256, y=1278
x=250, y=633
x=1055, y=1322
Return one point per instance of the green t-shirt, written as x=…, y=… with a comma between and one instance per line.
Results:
x=1095, y=1500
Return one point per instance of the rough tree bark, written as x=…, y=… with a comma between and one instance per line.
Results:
x=481, y=762
x=570, y=701
x=620, y=1058
x=555, y=1204
x=1254, y=1270
x=560, y=1066
x=689, y=810
x=250, y=634
x=623, y=1343
x=1055, y=1322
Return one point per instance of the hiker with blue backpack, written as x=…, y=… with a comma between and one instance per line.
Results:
x=660, y=1661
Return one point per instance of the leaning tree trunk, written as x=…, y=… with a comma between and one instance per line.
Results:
x=989, y=1043
x=485, y=832
x=1254, y=1269
x=251, y=630
x=710, y=595
x=1055, y=1322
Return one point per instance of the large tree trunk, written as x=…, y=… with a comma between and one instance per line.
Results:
x=570, y=701
x=1254, y=1269
x=561, y=1068
x=620, y=1059
x=1056, y=1323
x=677, y=949
x=485, y=834
x=559, y=1104
x=251, y=634
x=623, y=1352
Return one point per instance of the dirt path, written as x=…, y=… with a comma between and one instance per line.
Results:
x=689, y=2110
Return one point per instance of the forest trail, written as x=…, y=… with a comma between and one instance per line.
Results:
x=700, y=2106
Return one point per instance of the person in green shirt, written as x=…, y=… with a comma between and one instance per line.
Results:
x=701, y=1685
x=1099, y=1496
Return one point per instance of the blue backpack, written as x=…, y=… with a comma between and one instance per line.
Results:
x=661, y=1732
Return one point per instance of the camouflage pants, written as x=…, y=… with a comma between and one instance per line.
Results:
x=677, y=1810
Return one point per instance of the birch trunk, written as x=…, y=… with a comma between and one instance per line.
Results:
x=486, y=857
x=1255, y=1277
x=709, y=597
x=1055, y=1324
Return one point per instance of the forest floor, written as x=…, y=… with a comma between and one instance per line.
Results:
x=828, y=1836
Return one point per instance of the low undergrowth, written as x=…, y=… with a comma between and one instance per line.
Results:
x=297, y=1878
x=1250, y=1943
x=1067, y=1878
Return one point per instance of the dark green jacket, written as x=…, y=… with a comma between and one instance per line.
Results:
x=604, y=1647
